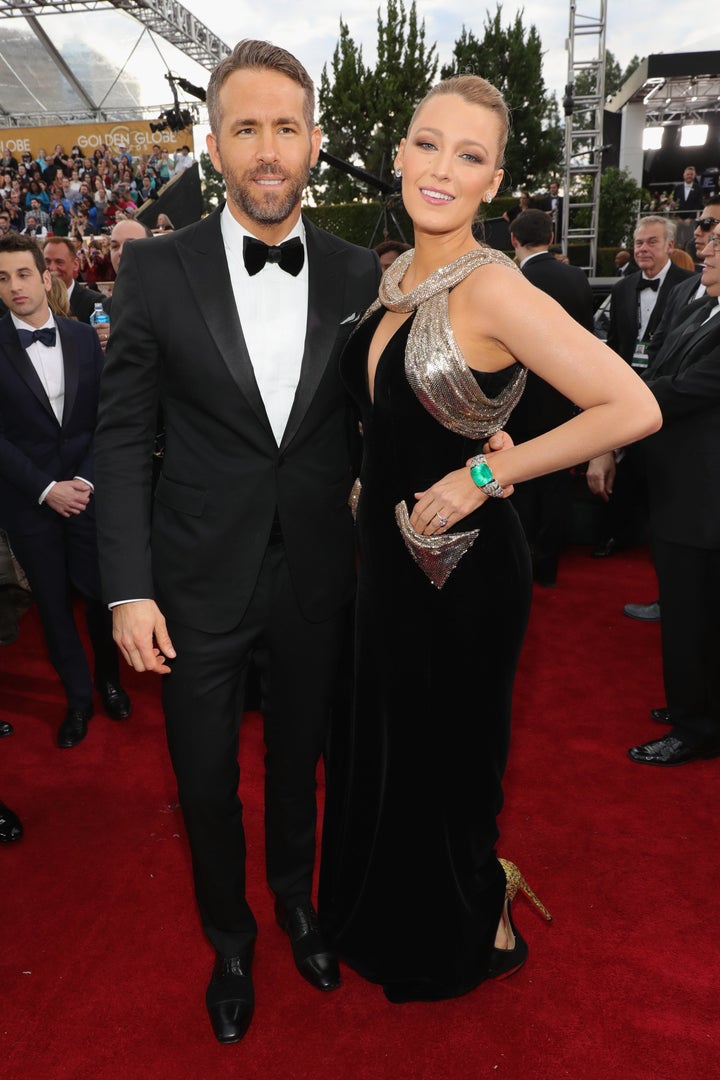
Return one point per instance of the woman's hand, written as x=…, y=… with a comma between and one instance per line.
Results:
x=445, y=503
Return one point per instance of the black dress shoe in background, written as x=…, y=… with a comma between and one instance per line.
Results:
x=661, y=716
x=74, y=727
x=643, y=612
x=313, y=959
x=230, y=997
x=10, y=825
x=6, y=728
x=604, y=551
x=116, y=703
x=672, y=751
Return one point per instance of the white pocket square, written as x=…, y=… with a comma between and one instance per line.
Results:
x=351, y=318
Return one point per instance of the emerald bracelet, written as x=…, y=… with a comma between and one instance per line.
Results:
x=483, y=478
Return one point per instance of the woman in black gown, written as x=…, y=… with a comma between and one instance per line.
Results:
x=411, y=888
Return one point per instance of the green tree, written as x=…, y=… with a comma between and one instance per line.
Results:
x=365, y=112
x=620, y=198
x=511, y=58
x=213, y=185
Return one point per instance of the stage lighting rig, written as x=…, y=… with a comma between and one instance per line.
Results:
x=175, y=119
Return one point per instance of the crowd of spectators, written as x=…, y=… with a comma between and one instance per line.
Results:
x=82, y=196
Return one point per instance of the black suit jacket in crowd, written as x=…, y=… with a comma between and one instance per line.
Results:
x=35, y=448
x=688, y=205
x=623, y=329
x=541, y=406
x=83, y=301
x=176, y=341
x=683, y=458
x=678, y=298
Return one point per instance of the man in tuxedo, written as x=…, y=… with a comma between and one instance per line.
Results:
x=683, y=469
x=49, y=384
x=553, y=205
x=544, y=504
x=61, y=259
x=636, y=307
x=234, y=326
x=688, y=199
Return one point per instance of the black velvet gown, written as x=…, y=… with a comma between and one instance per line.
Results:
x=411, y=889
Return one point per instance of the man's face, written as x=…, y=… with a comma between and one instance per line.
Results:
x=689, y=175
x=621, y=258
x=712, y=211
x=710, y=276
x=652, y=249
x=23, y=289
x=123, y=232
x=553, y=188
x=263, y=149
x=61, y=263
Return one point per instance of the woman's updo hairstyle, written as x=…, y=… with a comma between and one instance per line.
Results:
x=475, y=91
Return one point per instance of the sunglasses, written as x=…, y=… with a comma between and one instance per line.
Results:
x=705, y=224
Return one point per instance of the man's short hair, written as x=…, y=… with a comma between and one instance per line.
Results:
x=12, y=242
x=532, y=228
x=261, y=56
x=65, y=240
x=655, y=219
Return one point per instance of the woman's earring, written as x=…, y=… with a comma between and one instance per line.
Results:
x=488, y=197
x=398, y=173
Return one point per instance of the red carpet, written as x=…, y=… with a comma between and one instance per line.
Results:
x=103, y=966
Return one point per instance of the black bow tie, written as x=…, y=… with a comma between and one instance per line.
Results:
x=644, y=283
x=290, y=256
x=46, y=336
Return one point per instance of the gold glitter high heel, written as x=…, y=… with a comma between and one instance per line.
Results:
x=515, y=882
x=504, y=962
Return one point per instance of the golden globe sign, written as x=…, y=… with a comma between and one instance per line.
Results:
x=135, y=137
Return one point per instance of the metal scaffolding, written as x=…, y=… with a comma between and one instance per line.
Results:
x=166, y=18
x=583, y=130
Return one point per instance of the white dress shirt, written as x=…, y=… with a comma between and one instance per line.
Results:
x=273, y=308
x=648, y=300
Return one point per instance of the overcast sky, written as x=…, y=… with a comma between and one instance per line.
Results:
x=311, y=31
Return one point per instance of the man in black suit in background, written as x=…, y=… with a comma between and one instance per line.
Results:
x=683, y=469
x=235, y=326
x=688, y=199
x=61, y=259
x=544, y=504
x=49, y=383
x=636, y=307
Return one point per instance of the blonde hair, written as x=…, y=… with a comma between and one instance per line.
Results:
x=474, y=90
x=58, y=298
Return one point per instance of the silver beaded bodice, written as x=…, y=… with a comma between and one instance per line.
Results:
x=435, y=368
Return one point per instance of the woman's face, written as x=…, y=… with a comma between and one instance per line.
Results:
x=448, y=163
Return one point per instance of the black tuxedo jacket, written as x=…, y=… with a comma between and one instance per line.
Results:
x=623, y=329
x=678, y=298
x=176, y=341
x=693, y=202
x=683, y=458
x=83, y=301
x=34, y=448
x=541, y=406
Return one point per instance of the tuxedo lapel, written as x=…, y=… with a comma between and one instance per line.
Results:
x=18, y=357
x=325, y=293
x=695, y=341
x=202, y=254
x=71, y=369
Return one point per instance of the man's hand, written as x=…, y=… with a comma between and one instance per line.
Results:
x=103, y=332
x=68, y=497
x=141, y=635
x=601, y=475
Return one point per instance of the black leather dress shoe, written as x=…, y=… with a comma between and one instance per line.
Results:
x=116, y=703
x=604, y=551
x=230, y=997
x=10, y=825
x=672, y=751
x=74, y=727
x=6, y=728
x=313, y=959
x=661, y=716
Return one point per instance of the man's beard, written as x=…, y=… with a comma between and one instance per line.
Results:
x=270, y=209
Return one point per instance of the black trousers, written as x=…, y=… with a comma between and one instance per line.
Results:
x=689, y=580
x=58, y=558
x=544, y=506
x=203, y=701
